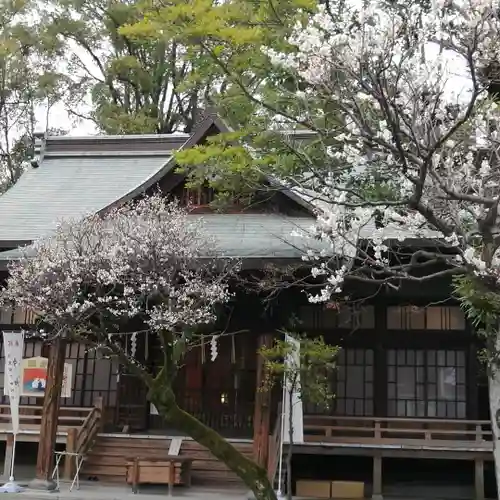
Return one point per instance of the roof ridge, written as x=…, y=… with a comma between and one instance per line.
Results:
x=107, y=153
x=115, y=137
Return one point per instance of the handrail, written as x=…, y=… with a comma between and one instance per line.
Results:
x=89, y=429
x=80, y=438
x=274, y=448
x=68, y=416
x=396, y=419
x=340, y=428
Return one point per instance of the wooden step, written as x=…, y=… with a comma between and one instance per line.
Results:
x=107, y=459
x=129, y=453
x=134, y=442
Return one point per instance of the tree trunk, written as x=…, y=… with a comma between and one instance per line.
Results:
x=262, y=411
x=494, y=397
x=254, y=477
x=50, y=413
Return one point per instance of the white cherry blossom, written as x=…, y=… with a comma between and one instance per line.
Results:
x=145, y=264
x=410, y=83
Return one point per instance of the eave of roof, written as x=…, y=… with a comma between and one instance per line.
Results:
x=242, y=236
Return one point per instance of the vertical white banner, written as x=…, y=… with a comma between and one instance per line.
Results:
x=293, y=360
x=13, y=345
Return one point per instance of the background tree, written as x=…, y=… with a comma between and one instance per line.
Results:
x=27, y=79
x=303, y=367
x=410, y=150
x=143, y=268
x=124, y=86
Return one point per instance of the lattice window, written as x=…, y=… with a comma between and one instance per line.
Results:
x=425, y=318
x=314, y=317
x=426, y=383
x=352, y=386
x=92, y=376
x=354, y=383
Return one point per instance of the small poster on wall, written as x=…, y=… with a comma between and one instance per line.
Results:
x=34, y=378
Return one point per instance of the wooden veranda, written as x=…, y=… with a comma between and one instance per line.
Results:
x=380, y=438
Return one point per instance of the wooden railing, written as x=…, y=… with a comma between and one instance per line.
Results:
x=380, y=431
x=76, y=425
x=30, y=416
x=274, y=447
x=90, y=428
x=80, y=439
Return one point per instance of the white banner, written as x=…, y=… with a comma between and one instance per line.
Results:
x=13, y=345
x=296, y=400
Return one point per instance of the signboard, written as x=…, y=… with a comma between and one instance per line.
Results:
x=13, y=343
x=34, y=378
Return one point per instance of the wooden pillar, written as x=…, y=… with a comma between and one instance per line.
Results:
x=479, y=479
x=472, y=380
x=50, y=414
x=377, y=478
x=69, y=460
x=262, y=411
x=380, y=361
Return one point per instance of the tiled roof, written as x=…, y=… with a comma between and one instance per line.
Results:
x=70, y=187
x=76, y=176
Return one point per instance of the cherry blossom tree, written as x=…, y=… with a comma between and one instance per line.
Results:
x=401, y=99
x=143, y=268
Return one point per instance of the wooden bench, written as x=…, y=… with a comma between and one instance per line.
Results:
x=172, y=470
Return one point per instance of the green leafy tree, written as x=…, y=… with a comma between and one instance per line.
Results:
x=220, y=39
x=228, y=43
x=27, y=79
x=303, y=367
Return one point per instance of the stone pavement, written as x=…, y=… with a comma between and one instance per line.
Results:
x=95, y=491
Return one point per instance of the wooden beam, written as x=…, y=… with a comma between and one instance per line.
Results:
x=262, y=411
x=50, y=414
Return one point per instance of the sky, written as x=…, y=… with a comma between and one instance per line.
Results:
x=58, y=116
